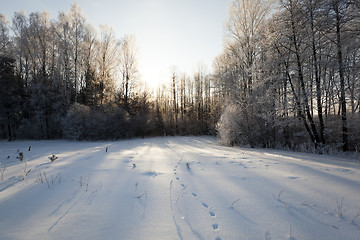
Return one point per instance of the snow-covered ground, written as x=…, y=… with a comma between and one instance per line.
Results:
x=174, y=188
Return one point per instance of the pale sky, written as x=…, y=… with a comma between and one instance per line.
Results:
x=181, y=33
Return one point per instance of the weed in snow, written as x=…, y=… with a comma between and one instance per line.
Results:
x=142, y=195
x=267, y=235
x=47, y=181
x=354, y=219
x=25, y=171
x=53, y=158
x=2, y=171
x=339, y=209
x=93, y=193
x=180, y=194
x=57, y=178
x=290, y=233
x=85, y=182
x=41, y=177
x=234, y=203
x=151, y=173
x=21, y=156
x=278, y=196
x=171, y=185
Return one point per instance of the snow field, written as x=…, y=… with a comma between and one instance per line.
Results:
x=174, y=188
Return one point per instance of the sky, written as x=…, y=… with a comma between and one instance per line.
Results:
x=180, y=33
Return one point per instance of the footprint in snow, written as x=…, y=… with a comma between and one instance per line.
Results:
x=194, y=194
x=182, y=185
x=215, y=226
x=205, y=204
x=177, y=178
x=293, y=178
x=212, y=213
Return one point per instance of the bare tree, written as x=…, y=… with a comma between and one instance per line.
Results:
x=77, y=26
x=128, y=67
x=245, y=22
x=108, y=54
x=4, y=36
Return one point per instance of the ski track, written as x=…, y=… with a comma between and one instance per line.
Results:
x=176, y=188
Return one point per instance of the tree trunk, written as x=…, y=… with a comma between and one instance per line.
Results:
x=315, y=135
x=317, y=79
x=342, y=79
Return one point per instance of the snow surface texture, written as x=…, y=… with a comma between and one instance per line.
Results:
x=174, y=188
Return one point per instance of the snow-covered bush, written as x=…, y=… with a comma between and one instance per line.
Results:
x=116, y=124
x=252, y=125
x=76, y=121
x=228, y=126
x=85, y=123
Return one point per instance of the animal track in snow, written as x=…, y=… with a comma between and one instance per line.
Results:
x=205, y=204
x=177, y=178
x=293, y=178
x=215, y=226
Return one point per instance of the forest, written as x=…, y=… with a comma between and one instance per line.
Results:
x=288, y=77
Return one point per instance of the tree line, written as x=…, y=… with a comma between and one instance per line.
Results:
x=61, y=78
x=290, y=72
x=288, y=76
